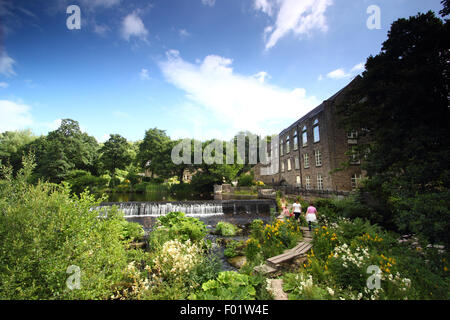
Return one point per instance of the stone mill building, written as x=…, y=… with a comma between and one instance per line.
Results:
x=312, y=149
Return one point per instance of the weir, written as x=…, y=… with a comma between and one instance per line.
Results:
x=192, y=208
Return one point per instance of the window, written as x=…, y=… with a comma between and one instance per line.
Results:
x=289, y=164
x=282, y=166
x=318, y=156
x=355, y=180
x=352, y=134
x=281, y=147
x=308, y=182
x=319, y=181
x=304, y=137
x=316, y=131
x=297, y=163
x=295, y=140
x=298, y=180
x=287, y=145
x=306, y=160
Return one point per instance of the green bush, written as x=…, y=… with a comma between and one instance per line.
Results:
x=229, y=285
x=226, y=229
x=246, y=180
x=79, y=180
x=45, y=230
x=175, y=225
x=233, y=249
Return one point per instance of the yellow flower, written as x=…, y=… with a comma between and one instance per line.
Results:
x=445, y=269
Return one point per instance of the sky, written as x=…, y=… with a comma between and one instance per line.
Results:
x=198, y=69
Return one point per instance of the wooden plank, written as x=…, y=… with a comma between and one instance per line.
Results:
x=265, y=269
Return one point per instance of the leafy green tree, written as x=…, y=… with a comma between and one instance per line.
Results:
x=12, y=141
x=155, y=153
x=401, y=104
x=446, y=10
x=115, y=154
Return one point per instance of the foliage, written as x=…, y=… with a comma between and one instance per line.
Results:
x=226, y=229
x=234, y=248
x=115, y=154
x=44, y=230
x=229, y=285
x=246, y=180
x=79, y=180
x=175, y=225
x=272, y=239
x=400, y=97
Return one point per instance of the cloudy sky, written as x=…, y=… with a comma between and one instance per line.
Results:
x=196, y=68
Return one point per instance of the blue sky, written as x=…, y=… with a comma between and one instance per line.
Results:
x=195, y=68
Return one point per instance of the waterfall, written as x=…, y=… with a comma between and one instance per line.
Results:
x=148, y=209
x=190, y=208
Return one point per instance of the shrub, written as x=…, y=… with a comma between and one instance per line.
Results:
x=45, y=230
x=233, y=249
x=246, y=180
x=226, y=229
x=274, y=238
x=79, y=180
x=175, y=225
x=229, y=285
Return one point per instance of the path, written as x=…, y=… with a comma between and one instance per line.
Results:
x=272, y=264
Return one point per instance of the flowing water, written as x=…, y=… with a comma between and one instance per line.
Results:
x=237, y=212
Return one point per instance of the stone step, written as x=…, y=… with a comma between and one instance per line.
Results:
x=264, y=269
x=276, y=287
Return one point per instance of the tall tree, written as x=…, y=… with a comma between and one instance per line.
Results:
x=402, y=105
x=115, y=154
x=155, y=153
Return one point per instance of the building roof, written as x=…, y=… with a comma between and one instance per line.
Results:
x=320, y=107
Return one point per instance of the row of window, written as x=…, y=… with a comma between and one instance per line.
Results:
x=286, y=145
x=354, y=181
x=317, y=156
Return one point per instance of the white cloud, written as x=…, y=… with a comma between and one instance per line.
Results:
x=101, y=29
x=358, y=68
x=132, y=25
x=4, y=85
x=144, y=74
x=320, y=78
x=263, y=5
x=6, y=65
x=14, y=116
x=209, y=2
x=184, y=33
x=261, y=76
x=342, y=74
x=238, y=102
x=100, y=3
x=338, y=74
x=296, y=16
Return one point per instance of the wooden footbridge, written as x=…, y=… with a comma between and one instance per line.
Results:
x=299, y=251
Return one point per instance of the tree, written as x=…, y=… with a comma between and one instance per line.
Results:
x=401, y=103
x=12, y=141
x=446, y=10
x=155, y=153
x=115, y=154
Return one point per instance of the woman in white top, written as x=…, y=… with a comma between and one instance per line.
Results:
x=297, y=209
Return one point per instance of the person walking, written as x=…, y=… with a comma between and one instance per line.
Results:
x=297, y=210
x=311, y=214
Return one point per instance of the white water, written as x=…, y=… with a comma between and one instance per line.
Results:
x=161, y=209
